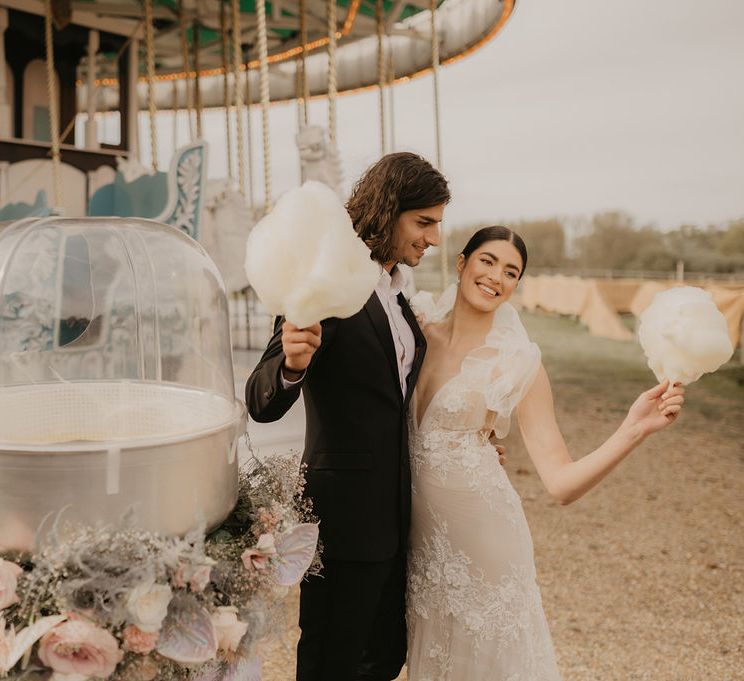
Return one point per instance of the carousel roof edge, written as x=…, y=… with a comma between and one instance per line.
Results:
x=465, y=26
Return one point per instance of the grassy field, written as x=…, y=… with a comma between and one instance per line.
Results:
x=643, y=578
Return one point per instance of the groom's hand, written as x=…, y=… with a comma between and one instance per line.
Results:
x=299, y=345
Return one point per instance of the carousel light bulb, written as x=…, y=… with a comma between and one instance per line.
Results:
x=684, y=335
x=306, y=262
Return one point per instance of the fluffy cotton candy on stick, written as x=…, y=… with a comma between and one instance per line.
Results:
x=306, y=262
x=684, y=335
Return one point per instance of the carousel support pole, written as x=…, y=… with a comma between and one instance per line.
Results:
x=226, y=88
x=182, y=29
x=132, y=101
x=443, y=250
x=6, y=115
x=263, y=58
x=196, y=41
x=53, y=99
x=237, y=57
x=332, y=73
x=91, y=130
x=174, y=106
x=380, y=16
x=150, y=49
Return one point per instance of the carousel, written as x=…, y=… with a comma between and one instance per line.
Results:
x=81, y=82
x=126, y=524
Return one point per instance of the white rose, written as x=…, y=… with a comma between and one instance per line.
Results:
x=148, y=605
x=228, y=627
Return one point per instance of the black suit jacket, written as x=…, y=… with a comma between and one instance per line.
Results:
x=356, y=438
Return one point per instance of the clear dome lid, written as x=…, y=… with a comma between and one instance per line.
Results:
x=89, y=299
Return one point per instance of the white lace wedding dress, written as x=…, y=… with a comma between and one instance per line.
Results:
x=474, y=608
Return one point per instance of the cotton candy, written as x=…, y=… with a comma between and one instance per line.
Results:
x=306, y=262
x=684, y=335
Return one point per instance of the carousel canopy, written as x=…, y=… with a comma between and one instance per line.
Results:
x=193, y=35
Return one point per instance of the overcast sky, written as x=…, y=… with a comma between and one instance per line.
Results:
x=574, y=108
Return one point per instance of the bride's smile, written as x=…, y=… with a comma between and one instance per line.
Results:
x=489, y=276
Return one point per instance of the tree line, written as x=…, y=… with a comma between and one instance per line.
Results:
x=613, y=241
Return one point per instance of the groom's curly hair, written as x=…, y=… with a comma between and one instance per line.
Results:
x=396, y=183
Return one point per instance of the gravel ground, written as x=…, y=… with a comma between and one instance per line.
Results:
x=643, y=578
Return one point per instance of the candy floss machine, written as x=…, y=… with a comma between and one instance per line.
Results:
x=116, y=384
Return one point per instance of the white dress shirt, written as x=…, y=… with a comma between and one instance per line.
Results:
x=387, y=290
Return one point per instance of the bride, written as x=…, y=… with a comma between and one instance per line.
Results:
x=474, y=608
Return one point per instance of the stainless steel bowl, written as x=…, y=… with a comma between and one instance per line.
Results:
x=91, y=452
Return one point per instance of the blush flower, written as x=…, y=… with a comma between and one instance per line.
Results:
x=148, y=605
x=9, y=573
x=228, y=627
x=258, y=557
x=80, y=647
x=138, y=641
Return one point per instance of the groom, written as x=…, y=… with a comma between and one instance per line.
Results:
x=356, y=376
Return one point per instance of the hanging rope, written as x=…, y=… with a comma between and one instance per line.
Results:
x=391, y=91
x=263, y=57
x=196, y=40
x=443, y=250
x=226, y=88
x=53, y=104
x=237, y=57
x=303, y=57
x=332, y=75
x=298, y=92
x=150, y=56
x=380, y=16
x=249, y=136
x=182, y=30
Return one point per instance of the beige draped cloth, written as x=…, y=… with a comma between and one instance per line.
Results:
x=598, y=303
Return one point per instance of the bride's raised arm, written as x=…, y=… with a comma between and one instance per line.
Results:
x=567, y=480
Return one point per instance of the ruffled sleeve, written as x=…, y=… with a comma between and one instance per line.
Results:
x=505, y=367
x=430, y=311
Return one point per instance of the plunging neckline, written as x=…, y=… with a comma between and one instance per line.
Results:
x=457, y=374
x=433, y=397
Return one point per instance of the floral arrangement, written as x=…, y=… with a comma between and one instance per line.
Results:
x=129, y=605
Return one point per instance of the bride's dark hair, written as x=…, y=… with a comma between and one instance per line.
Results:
x=496, y=233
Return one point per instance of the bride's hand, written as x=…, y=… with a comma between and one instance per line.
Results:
x=656, y=408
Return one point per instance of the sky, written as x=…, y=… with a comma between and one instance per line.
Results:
x=573, y=109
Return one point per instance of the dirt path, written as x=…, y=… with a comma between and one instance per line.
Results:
x=643, y=578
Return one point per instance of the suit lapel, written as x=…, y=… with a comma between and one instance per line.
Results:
x=420, y=341
x=380, y=322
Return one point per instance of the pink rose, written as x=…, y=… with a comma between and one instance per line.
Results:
x=9, y=573
x=258, y=557
x=80, y=647
x=138, y=641
x=228, y=627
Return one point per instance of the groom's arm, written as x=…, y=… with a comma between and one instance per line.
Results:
x=269, y=391
x=265, y=395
